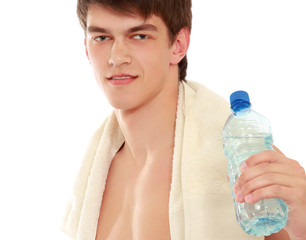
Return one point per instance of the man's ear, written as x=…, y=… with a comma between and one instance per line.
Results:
x=180, y=45
x=86, y=50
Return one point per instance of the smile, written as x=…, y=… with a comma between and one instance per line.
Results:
x=124, y=77
x=121, y=79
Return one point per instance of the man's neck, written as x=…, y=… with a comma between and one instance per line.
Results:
x=149, y=130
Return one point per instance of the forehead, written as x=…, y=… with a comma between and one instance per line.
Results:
x=105, y=17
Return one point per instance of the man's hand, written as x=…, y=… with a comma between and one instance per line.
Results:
x=272, y=175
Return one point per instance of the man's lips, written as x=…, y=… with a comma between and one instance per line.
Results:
x=121, y=79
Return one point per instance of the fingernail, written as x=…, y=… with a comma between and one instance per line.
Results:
x=243, y=167
x=239, y=197
x=248, y=198
x=235, y=188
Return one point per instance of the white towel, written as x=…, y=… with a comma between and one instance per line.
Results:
x=200, y=204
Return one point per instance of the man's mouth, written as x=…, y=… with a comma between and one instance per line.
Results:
x=121, y=79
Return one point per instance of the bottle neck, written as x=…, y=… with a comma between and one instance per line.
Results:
x=242, y=111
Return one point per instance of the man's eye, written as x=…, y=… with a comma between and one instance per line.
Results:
x=141, y=36
x=101, y=38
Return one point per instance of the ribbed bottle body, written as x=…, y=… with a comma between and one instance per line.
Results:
x=246, y=133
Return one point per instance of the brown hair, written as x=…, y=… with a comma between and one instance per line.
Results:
x=175, y=13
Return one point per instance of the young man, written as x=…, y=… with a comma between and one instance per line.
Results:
x=155, y=169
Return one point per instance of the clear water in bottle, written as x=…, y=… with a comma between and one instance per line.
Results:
x=246, y=133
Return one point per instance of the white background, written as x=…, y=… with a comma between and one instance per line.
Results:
x=50, y=104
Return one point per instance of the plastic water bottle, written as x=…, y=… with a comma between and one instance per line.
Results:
x=245, y=133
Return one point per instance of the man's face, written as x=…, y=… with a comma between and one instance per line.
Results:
x=131, y=57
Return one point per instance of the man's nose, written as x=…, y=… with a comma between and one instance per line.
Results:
x=119, y=54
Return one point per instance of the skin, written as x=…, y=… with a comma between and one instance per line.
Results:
x=135, y=206
x=271, y=174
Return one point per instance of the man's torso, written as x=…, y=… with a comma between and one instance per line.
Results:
x=136, y=201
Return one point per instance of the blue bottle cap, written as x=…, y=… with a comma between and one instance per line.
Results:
x=239, y=100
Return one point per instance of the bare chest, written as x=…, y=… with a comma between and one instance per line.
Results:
x=136, y=202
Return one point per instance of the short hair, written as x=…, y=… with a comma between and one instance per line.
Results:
x=175, y=13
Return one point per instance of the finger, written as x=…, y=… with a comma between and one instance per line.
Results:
x=270, y=156
x=268, y=179
x=268, y=168
x=287, y=194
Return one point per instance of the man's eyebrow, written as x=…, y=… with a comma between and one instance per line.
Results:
x=92, y=29
x=143, y=27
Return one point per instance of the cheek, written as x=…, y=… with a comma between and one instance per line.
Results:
x=95, y=58
x=98, y=62
x=95, y=53
x=155, y=60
